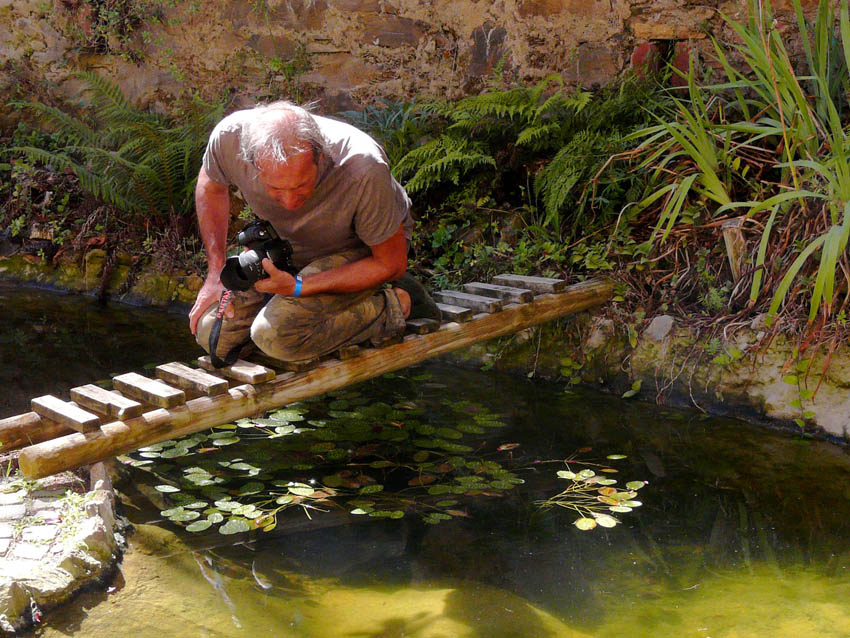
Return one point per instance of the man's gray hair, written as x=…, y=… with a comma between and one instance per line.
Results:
x=279, y=131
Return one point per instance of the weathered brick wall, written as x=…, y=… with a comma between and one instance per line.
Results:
x=356, y=50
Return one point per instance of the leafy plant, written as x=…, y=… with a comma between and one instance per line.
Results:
x=142, y=163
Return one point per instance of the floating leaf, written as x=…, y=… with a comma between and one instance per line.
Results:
x=504, y=447
x=616, y=457
x=584, y=523
x=604, y=520
x=235, y=526
x=623, y=509
x=215, y=518
x=227, y=441
x=184, y=516
x=358, y=511
x=606, y=482
x=635, y=485
x=301, y=490
x=566, y=474
x=632, y=503
x=586, y=474
x=199, y=526
x=167, y=489
x=254, y=487
x=171, y=512
x=372, y=489
x=422, y=479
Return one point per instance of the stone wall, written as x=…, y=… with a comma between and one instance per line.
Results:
x=345, y=52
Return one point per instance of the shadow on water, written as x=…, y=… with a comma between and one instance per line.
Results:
x=742, y=531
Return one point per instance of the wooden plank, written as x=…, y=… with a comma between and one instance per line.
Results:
x=66, y=413
x=106, y=402
x=348, y=352
x=455, y=313
x=505, y=293
x=148, y=390
x=28, y=428
x=120, y=437
x=537, y=284
x=241, y=371
x=188, y=378
x=467, y=300
x=422, y=326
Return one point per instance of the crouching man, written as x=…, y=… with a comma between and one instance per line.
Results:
x=325, y=187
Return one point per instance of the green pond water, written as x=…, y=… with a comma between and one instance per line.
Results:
x=742, y=532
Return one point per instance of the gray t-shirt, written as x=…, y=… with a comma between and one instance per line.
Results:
x=357, y=201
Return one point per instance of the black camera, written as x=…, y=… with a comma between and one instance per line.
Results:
x=261, y=240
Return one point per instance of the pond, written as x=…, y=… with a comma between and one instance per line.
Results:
x=741, y=532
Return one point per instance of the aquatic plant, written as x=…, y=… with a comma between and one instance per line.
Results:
x=343, y=452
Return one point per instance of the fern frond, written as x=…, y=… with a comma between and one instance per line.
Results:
x=74, y=130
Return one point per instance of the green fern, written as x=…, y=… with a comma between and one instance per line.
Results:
x=142, y=163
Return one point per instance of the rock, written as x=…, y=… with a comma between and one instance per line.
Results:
x=659, y=328
x=488, y=48
x=671, y=24
x=392, y=31
x=646, y=58
x=596, y=65
x=600, y=334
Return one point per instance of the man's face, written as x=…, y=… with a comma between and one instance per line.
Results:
x=290, y=184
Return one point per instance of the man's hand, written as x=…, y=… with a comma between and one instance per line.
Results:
x=209, y=295
x=278, y=282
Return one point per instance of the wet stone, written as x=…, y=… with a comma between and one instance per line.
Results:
x=12, y=512
x=40, y=533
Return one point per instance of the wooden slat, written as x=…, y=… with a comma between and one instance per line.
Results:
x=467, y=300
x=188, y=378
x=104, y=401
x=455, y=313
x=148, y=390
x=422, y=326
x=348, y=352
x=241, y=371
x=67, y=452
x=505, y=293
x=66, y=413
x=28, y=428
x=537, y=284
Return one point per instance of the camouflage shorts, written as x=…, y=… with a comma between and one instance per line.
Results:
x=304, y=328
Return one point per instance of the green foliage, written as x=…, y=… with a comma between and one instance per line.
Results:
x=767, y=143
x=142, y=163
x=397, y=126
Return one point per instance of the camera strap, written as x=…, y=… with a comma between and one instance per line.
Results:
x=215, y=333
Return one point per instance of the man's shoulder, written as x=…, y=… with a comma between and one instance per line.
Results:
x=350, y=147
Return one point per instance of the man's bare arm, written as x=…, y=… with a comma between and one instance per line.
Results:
x=212, y=204
x=387, y=263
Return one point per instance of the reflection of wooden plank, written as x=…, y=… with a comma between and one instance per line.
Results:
x=240, y=371
x=28, y=428
x=100, y=400
x=422, y=326
x=467, y=300
x=67, y=452
x=68, y=414
x=506, y=293
x=188, y=378
x=454, y=313
x=148, y=390
x=537, y=284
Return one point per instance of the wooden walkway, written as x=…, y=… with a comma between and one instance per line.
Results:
x=97, y=424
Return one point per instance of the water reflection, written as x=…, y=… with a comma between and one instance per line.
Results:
x=742, y=534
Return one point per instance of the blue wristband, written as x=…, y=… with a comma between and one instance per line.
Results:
x=298, y=282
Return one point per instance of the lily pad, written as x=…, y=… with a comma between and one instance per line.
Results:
x=235, y=526
x=585, y=523
x=199, y=526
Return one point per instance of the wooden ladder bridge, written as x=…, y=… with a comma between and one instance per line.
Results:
x=97, y=423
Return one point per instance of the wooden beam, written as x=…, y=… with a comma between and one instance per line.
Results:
x=25, y=429
x=505, y=293
x=106, y=402
x=120, y=437
x=241, y=371
x=66, y=413
x=148, y=390
x=537, y=284
x=188, y=378
x=467, y=300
